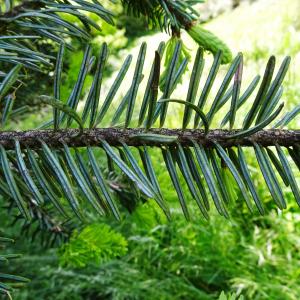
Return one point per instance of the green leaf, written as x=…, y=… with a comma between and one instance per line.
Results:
x=122, y=106
x=113, y=90
x=235, y=174
x=236, y=92
x=135, y=83
x=9, y=80
x=278, y=166
x=209, y=178
x=196, y=176
x=182, y=163
x=209, y=42
x=57, y=82
x=262, y=93
x=225, y=98
x=151, y=86
x=194, y=107
x=102, y=185
x=148, y=167
x=63, y=180
x=125, y=169
x=268, y=174
x=9, y=103
x=153, y=91
x=63, y=107
x=243, y=98
x=274, y=88
x=98, y=81
x=144, y=179
x=76, y=92
x=44, y=183
x=290, y=116
x=258, y=127
x=289, y=173
x=193, y=85
x=219, y=178
x=175, y=180
x=208, y=84
x=169, y=82
x=26, y=176
x=226, y=81
x=271, y=106
x=13, y=188
x=14, y=277
x=89, y=180
x=157, y=138
x=135, y=189
x=248, y=180
x=81, y=180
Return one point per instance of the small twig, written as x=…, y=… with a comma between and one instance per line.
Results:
x=114, y=136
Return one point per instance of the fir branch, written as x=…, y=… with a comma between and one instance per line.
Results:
x=61, y=163
x=130, y=136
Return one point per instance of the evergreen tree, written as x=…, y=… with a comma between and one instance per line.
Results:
x=51, y=175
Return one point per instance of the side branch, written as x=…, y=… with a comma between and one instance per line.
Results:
x=114, y=136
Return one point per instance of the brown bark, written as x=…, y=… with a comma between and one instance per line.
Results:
x=114, y=136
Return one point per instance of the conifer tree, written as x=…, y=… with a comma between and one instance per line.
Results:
x=51, y=175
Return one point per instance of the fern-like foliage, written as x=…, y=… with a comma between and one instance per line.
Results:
x=95, y=244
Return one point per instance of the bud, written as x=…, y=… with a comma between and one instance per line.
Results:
x=210, y=42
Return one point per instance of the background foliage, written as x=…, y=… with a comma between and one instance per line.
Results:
x=149, y=258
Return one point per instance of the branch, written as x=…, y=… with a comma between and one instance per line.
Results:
x=114, y=136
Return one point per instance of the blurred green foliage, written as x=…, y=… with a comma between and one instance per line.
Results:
x=256, y=256
x=223, y=296
x=95, y=244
